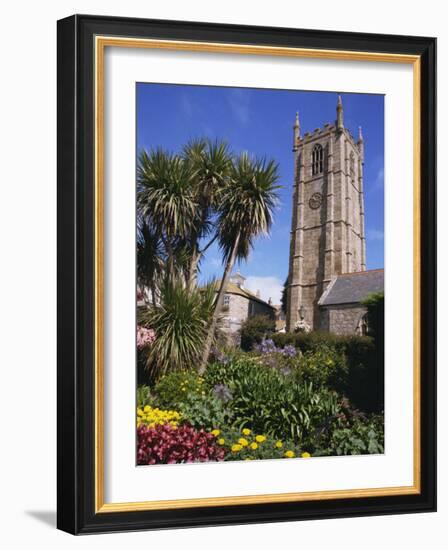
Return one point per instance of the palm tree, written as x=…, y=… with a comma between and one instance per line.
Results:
x=246, y=211
x=210, y=163
x=165, y=196
x=180, y=322
x=150, y=258
x=179, y=195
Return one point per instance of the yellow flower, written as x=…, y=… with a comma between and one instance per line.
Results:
x=290, y=454
x=147, y=409
x=243, y=442
x=140, y=412
x=248, y=458
x=305, y=455
x=215, y=432
x=254, y=446
x=279, y=444
x=260, y=438
x=221, y=441
x=246, y=431
x=236, y=448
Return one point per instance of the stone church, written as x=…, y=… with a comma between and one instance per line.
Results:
x=327, y=267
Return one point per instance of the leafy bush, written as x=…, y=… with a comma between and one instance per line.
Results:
x=324, y=367
x=361, y=436
x=375, y=314
x=180, y=323
x=144, y=396
x=358, y=370
x=273, y=403
x=312, y=341
x=200, y=405
x=255, y=329
x=204, y=411
x=174, y=388
x=164, y=444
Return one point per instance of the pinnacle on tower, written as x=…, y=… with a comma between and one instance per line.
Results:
x=361, y=143
x=360, y=138
x=340, y=115
x=296, y=132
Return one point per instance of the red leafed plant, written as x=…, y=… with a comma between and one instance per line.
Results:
x=164, y=444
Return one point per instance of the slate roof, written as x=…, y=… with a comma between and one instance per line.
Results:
x=232, y=288
x=352, y=288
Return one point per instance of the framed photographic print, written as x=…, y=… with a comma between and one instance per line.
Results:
x=246, y=274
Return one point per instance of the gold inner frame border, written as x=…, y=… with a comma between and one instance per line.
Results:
x=100, y=44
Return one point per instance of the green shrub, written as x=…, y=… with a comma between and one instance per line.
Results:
x=204, y=411
x=361, y=436
x=358, y=361
x=174, y=388
x=272, y=403
x=324, y=367
x=254, y=330
x=375, y=314
x=180, y=323
x=144, y=396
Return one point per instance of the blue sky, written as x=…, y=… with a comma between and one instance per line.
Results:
x=260, y=121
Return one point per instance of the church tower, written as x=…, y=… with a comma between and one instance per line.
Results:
x=327, y=230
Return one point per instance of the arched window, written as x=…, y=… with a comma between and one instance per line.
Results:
x=352, y=166
x=318, y=159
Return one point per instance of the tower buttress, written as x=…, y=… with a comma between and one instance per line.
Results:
x=339, y=115
x=296, y=132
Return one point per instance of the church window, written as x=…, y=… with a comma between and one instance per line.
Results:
x=317, y=159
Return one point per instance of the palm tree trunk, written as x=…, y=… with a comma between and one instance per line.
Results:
x=153, y=294
x=193, y=270
x=218, y=306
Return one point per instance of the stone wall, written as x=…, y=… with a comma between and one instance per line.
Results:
x=239, y=309
x=342, y=319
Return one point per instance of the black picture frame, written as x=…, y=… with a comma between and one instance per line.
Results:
x=76, y=254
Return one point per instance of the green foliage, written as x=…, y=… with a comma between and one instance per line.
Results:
x=358, y=369
x=175, y=387
x=241, y=445
x=296, y=408
x=324, y=367
x=270, y=402
x=375, y=314
x=180, y=323
x=144, y=396
x=312, y=341
x=204, y=411
x=187, y=393
x=255, y=329
x=246, y=205
x=362, y=436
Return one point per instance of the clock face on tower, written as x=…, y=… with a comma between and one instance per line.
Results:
x=315, y=201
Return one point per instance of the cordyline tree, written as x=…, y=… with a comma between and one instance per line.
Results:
x=246, y=210
x=185, y=203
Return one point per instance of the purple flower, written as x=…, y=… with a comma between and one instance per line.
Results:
x=289, y=351
x=266, y=346
x=222, y=392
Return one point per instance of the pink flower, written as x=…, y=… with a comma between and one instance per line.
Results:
x=145, y=337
